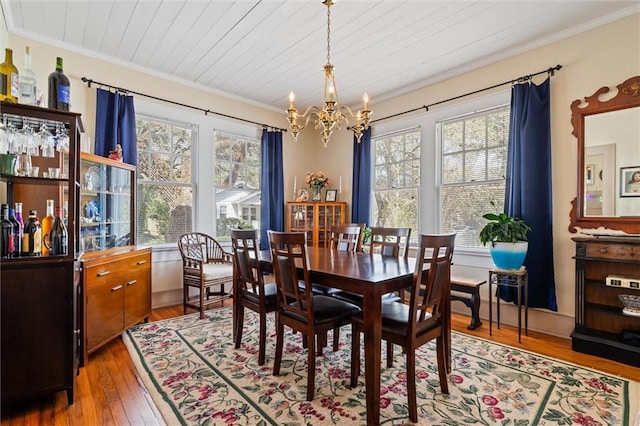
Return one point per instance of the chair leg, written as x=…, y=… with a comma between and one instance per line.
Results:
x=279, y=342
x=263, y=338
x=389, y=354
x=411, y=385
x=336, y=338
x=202, y=316
x=355, y=355
x=239, y=325
x=442, y=367
x=322, y=342
x=311, y=368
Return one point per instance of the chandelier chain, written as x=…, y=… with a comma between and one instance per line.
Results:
x=329, y=34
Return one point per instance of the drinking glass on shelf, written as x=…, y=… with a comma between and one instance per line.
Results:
x=47, y=141
x=23, y=164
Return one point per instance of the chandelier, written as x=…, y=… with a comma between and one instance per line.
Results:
x=332, y=115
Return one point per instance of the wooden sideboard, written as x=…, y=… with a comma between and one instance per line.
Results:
x=601, y=328
x=117, y=293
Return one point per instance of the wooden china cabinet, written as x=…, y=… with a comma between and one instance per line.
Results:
x=316, y=219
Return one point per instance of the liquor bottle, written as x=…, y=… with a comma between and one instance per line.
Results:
x=6, y=233
x=17, y=236
x=59, y=89
x=47, y=224
x=28, y=81
x=32, y=239
x=58, y=236
x=9, y=78
x=20, y=221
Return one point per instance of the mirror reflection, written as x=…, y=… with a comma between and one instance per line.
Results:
x=611, y=158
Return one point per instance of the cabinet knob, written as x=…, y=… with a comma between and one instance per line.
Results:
x=132, y=282
x=103, y=273
x=76, y=331
x=603, y=250
x=116, y=288
x=141, y=262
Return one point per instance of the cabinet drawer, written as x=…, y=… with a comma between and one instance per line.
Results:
x=136, y=262
x=613, y=251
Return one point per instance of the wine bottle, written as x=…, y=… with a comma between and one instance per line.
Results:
x=17, y=237
x=20, y=221
x=58, y=235
x=32, y=239
x=59, y=88
x=28, y=81
x=9, y=78
x=6, y=233
x=47, y=224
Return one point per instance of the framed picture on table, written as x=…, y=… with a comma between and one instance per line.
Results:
x=630, y=181
x=331, y=195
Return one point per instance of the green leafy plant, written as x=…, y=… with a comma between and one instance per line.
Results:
x=503, y=228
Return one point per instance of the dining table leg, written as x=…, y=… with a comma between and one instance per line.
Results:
x=371, y=312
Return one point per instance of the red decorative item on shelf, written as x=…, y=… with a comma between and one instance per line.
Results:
x=116, y=154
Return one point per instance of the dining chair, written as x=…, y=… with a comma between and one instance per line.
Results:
x=205, y=266
x=413, y=325
x=388, y=242
x=250, y=290
x=298, y=307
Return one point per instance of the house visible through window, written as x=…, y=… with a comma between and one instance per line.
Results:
x=472, y=174
x=237, y=183
x=396, y=180
x=165, y=198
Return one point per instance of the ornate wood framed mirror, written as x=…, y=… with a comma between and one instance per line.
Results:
x=608, y=133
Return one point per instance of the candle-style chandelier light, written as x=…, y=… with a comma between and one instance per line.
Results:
x=332, y=115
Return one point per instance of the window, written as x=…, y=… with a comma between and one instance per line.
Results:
x=237, y=183
x=472, y=174
x=165, y=184
x=396, y=180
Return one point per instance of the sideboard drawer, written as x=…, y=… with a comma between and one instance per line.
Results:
x=613, y=251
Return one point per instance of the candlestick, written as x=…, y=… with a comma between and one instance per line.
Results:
x=295, y=187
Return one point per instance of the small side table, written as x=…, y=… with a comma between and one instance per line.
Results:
x=516, y=278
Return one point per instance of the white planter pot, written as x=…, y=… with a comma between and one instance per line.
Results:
x=508, y=255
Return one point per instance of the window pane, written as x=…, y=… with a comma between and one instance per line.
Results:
x=397, y=180
x=473, y=171
x=462, y=207
x=164, y=213
x=237, y=182
x=165, y=188
x=397, y=209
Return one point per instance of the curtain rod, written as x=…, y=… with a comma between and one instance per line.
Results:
x=206, y=111
x=551, y=71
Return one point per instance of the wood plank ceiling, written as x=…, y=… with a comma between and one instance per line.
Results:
x=260, y=50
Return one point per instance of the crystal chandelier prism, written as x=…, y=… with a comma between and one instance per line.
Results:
x=332, y=115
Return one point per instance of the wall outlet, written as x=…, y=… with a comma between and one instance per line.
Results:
x=623, y=282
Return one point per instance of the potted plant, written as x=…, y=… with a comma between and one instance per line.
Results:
x=508, y=238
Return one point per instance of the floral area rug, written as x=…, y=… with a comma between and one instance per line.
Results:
x=196, y=377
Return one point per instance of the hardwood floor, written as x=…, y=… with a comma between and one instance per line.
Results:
x=108, y=391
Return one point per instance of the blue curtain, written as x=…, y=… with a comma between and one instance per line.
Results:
x=528, y=188
x=272, y=186
x=361, y=194
x=115, y=124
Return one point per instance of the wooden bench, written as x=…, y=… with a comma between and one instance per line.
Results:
x=470, y=286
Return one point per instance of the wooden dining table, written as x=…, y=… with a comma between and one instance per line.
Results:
x=372, y=276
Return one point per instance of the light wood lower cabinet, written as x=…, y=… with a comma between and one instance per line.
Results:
x=117, y=293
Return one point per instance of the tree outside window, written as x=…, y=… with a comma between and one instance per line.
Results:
x=472, y=173
x=165, y=185
x=396, y=180
x=237, y=183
